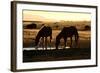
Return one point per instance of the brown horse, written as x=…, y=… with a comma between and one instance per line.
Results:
x=65, y=33
x=44, y=32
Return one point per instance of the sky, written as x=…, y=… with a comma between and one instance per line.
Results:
x=48, y=16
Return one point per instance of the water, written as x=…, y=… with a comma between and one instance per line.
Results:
x=52, y=48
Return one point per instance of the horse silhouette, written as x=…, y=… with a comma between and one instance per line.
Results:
x=43, y=33
x=65, y=33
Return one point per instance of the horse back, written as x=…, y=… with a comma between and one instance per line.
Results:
x=69, y=31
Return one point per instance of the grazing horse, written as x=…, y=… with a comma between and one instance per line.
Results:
x=43, y=33
x=65, y=33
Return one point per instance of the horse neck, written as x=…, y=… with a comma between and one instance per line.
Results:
x=37, y=39
x=58, y=37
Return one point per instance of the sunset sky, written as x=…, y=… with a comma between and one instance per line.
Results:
x=55, y=16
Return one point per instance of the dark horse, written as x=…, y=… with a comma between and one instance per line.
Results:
x=43, y=33
x=65, y=33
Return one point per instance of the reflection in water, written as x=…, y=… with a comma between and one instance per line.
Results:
x=40, y=48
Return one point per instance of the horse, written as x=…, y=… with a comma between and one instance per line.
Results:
x=65, y=33
x=43, y=33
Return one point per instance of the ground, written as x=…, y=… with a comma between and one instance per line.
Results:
x=56, y=55
x=83, y=51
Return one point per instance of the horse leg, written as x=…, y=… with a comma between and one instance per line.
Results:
x=50, y=43
x=43, y=43
x=57, y=43
x=46, y=43
x=65, y=42
x=36, y=45
x=56, y=46
x=71, y=42
x=76, y=41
